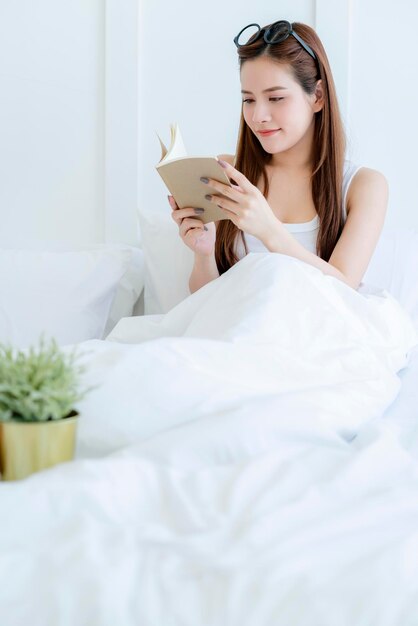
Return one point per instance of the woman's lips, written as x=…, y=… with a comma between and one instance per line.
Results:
x=268, y=133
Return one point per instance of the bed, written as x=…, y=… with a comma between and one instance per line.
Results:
x=402, y=413
x=245, y=459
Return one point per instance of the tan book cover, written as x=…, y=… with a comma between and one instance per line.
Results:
x=181, y=174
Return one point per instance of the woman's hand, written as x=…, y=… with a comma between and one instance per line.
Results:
x=198, y=236
x=244, y=204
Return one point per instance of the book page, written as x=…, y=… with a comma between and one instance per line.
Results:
x=177, y=148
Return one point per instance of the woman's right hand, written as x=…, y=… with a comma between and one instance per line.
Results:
x=198, y=236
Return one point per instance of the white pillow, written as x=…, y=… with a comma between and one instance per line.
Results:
x=130, y=290
x=66, y=293
x=169, y=263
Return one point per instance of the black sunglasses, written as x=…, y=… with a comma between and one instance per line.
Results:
x=279, y=31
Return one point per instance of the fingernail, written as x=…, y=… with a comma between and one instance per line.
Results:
x=208, y=196
x=223, y=163
x=199, y=210
x=204, y=179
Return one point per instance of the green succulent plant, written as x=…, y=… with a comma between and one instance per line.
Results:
x=39, y=384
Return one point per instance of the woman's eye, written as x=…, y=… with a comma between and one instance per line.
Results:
x=250, y=100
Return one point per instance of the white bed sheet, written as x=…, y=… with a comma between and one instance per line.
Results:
x=235, y=493
x=402, y=414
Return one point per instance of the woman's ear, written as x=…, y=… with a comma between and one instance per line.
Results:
x=318, y=102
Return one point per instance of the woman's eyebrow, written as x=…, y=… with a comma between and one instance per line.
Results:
x=265, y=90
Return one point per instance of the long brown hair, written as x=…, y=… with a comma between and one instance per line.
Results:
x=328, y=150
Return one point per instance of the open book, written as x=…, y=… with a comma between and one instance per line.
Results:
x=181, y=174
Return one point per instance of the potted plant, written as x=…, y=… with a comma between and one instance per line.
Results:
x=38, y=392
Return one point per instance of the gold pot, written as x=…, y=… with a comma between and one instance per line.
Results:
x=27, y=447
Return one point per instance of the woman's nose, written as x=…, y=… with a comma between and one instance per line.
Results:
x=261, y=114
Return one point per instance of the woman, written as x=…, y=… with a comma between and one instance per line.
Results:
x=293, y=193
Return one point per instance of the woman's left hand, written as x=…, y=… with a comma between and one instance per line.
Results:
x=244, y=204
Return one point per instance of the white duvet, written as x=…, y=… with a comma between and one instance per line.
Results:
x=245, y=476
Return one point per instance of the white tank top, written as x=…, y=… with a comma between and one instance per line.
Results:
x=306, y=232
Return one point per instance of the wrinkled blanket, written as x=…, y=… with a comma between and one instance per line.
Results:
x=244, y=476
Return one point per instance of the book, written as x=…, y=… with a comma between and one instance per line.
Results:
x=181, y=174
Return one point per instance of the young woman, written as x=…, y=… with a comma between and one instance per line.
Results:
x=293, y=190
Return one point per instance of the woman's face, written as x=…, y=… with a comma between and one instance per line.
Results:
x=287, y=109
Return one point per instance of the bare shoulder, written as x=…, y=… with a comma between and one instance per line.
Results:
x=367, y=176
x=368, y=186
x=229, y=158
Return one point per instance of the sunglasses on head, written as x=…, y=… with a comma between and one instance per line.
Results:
x=277, y=32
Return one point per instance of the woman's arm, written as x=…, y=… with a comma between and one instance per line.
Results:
x=205, y=268
x=367, y=201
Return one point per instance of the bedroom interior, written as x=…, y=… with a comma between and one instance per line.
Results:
x=228, y=469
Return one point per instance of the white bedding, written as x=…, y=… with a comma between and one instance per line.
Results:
x=402, y=414
x=246, y=476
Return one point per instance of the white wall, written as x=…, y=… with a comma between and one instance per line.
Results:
x=383, y=101
x=68, y=121
x=51, y=120
x=85, y=84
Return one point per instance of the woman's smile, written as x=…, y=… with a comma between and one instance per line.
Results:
x=267, y=133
